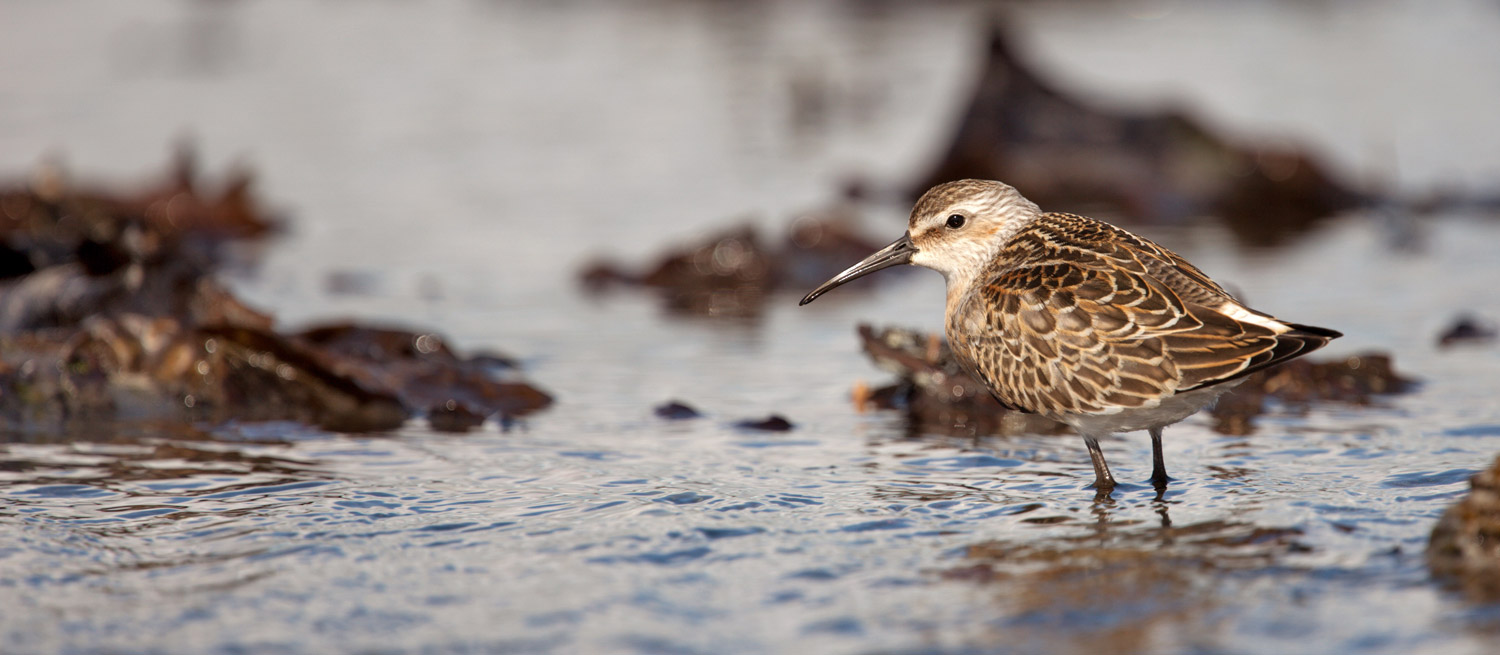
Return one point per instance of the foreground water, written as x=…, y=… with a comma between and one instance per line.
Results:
x=598, y=527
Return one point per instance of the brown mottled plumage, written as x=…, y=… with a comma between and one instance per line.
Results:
x=1080, y=321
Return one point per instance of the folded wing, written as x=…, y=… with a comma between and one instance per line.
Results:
x=1091, y=319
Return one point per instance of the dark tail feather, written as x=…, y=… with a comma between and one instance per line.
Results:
x=1302, y=339
x=1313, y=331
x=1291, y=345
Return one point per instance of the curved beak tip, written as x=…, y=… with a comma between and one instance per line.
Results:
x=898, y=252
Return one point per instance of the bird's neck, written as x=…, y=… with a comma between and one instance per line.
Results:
x=958, y=290
x=971, y=267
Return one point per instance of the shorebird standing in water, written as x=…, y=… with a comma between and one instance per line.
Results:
x=1080, y=321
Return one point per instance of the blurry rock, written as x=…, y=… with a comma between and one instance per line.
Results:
x=139, y=367
x=938, y=396
x=1355, y=380
x=1467, y=330
x=600, y=276
x=676, y=411
x=267, y=375
x=495, y=361
x=378, y=344
x=453, y=417
x=50, y=221
x=1069, y=155
x=772, y=423
x=1464, y=550
x=821, y=245
x=726, y=274
x=731, y=273
x=76, y=252
x=420, y=369
x=65, y=295
x=110, y=311
x=1284, y=194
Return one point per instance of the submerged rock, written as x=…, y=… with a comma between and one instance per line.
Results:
x=676, y=411
x=1467, y=330
x=938, y=396
x=772, y=423
x=1067, y=154
x=1464, y=550
x=1356, y=380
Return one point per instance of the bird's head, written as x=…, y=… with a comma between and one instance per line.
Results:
x=956, y=229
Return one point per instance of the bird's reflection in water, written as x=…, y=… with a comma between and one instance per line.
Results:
x=1124, y=577
x=1105, y=506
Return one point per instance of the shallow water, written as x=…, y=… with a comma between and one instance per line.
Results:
x=598, y=527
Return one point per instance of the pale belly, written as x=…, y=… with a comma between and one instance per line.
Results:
x=1172, y=409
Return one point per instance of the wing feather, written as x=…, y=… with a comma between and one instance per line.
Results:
x=1079, y=316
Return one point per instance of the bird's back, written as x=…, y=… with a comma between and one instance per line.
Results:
x=1076, y=316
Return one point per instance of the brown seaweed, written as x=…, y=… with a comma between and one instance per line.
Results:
x=109, y=309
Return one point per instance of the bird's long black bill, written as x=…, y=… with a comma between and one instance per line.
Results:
x=897, y=253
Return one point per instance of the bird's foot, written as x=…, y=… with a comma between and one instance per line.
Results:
x=1103, y=487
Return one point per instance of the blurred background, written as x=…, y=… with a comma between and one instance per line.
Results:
x=490, y=148
x=506, y=173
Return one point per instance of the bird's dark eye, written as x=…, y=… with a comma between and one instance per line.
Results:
x=955, y=221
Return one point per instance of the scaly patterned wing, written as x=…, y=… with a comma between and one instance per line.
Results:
x=1077, y=335
x=1098, y=244
x=1101, y=246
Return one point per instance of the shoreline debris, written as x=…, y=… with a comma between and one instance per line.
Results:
x=109, y=310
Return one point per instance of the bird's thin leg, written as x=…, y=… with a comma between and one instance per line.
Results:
x=1158, y=463
x=1103, y=481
